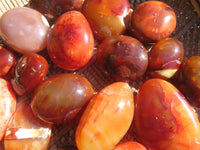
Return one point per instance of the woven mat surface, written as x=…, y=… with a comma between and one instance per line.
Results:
x=8, y=4
x=187, y=31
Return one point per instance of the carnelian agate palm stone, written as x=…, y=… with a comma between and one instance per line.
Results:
x=163, y=118
x=152, y=21
x=106, y=119
x=70, y=42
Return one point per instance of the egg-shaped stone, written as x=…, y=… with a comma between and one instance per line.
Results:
x=70, y=42
x=24, y=29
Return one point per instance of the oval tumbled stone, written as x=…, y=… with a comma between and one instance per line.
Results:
x=24, y=29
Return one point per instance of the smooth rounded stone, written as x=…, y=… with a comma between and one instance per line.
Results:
x=164, y=120
x=24, y=29
x=106, y=119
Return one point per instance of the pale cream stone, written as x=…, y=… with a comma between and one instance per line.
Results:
x=24, y=29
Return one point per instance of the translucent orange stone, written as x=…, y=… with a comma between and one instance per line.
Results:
x=106, y=119
x=70, y=43
x=164, y=119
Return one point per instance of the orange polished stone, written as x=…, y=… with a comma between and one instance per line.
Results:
x=164, y=119
x=70, y=43
x=130, y=145
x=152, y=21
x=106, y=17
x=106, y=119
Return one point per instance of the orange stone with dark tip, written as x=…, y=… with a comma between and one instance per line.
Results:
x=164, y=119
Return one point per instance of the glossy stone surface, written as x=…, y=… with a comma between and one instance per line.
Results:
x=52, y=9
x=25, y=131
x=152, y=21
x=58, y=99
x=130, y=145
x=7, y=105
x=122, y=57
x=29, y=71
x=191, y=77
x=106, y=118
x=7, y=60
x=70, y=42
x=164, y=119
x=24, y=29
x=165, y=58
x=106, y=17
